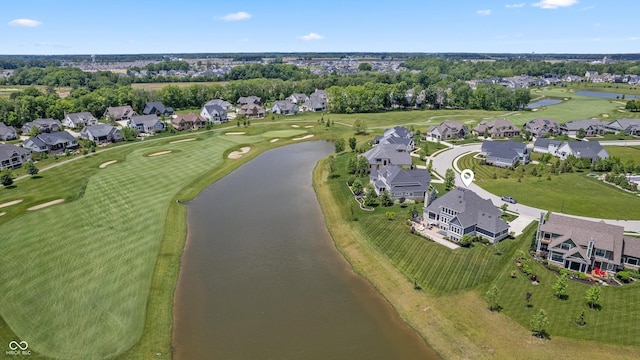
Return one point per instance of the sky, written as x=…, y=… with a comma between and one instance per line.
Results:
x=51, y=27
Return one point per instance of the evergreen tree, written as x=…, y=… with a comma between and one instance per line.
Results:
x=386, y=199
x=31, y=168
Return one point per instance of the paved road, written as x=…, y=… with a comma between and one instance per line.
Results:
x=444, y=161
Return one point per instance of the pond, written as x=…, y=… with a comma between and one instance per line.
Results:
x=544, y=102
x=260, y=277
x=606, y=95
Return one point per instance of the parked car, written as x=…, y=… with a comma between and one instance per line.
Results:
x=509, y=199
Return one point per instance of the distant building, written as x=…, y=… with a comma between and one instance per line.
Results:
x=542, y=127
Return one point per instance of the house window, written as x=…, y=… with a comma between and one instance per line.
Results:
x=557, y=257
x=600, y=252
x=565, y=246
x=632, y=261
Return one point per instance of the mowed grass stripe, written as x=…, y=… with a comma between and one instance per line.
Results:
x=97, y=253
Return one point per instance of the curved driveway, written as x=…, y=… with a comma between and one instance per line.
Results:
x=444, y=160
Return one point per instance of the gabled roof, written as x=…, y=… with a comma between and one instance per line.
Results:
x=583, y=124
x=388, y=151
x=98, y=130
x=120, y=111
x=503, y=149
x=4, y=129
x=213, y=109
x=158, y=106
x=448, y=127
x=285, y=105
x=189, y=118
x=495, y=127
x=544, y=143
x=605, y=236
x=80, y=117
x=249, y=100
x=585, y=149
x=626, y=124
x=7, y=151
x=58, y=137
x=471, y=209
x=222, y=103
x=300, y=97
x=406, y=179
x=145, y=120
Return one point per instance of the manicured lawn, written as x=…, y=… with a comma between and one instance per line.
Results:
x=283, y=133
x=160, y=85
x=625, y=153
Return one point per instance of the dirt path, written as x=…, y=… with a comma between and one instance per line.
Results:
x=160, y=153
x=10, y=203
x=105, y=164
x=179, y=141
x=238, y=154
x=41, y=206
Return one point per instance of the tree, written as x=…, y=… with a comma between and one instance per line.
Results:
x=492, y=296
x=370, y=197
x=339, y=145
x=6, y=178
x=129, y=134
x=560, y=287
x=390, y=215
x=363, y=165
x=466, y=240
x=593, y=296
x=580, y=319
x=449, y=179
x=332, y=165
x=386, y=199
x=357, y=187
x=360, y=126
x=365, y=66
x=539, y=323
x=31, y=168
x=581, y=133
x=34, y=131
x=527, y=299
x=353, y=142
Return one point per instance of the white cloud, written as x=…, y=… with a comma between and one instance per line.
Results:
x=554, y=4
x=24, y=23
x=240, y=15
x=311, y=36
x=483, y=12
x=511, y=6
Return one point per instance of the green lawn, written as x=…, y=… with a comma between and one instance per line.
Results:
x=625, y=153
x=565, y=192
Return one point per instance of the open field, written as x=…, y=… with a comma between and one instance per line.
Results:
x=450, y=305
x=159, y=85
x=625, y=153
x=563, y=193
x=78, y=284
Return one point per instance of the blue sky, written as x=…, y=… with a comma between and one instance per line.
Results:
x=190, y=26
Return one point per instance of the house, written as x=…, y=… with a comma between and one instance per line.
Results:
x=298, y=98
x=119, y=113
x=79, y=120
x=244, y=100
x=583, y=245
x=629, y=126
x=54, y=142
x=284, y=107
x=544, y=146
x=146, y=123
x=43, y=125
x=461, y=211
x=101, y=133
x=316, y=101
x=157, y=108
x=387, y=154
x=591, y=127
x=12, y=156
x=398, y=135
x=190, y=121
x=400, y=183
x=449, y=129
x=542, y=127
x=582, y=150
x=214, y=113
x=222, y=103
x=504, y=153
x=496, y=129
x=252, y=111
x=7, y=132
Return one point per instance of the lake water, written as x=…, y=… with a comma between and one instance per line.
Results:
x=261, y=278
x=545, y=102
x=606, y=95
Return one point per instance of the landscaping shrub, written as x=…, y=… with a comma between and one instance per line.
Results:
x=623, y=276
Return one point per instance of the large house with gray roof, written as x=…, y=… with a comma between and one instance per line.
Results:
x=400, y=183
x=220, y=102
x=284, y=107
x=54, y=142
x=504, y=153
x=462, y=211
x=398, y=135
x=544, y=146
x=584, y=245
x=214, y=113
x=496, y=129
x=298, y=99
x=7, y=132
x=101, y=133
x=629, y=126
x=43, y=125
x=157, y=108
x=591, y=127
x=317, y=101
x=12, y=156
x=541, y=127
x=79, y=120
x=582, y=150
x=387, y=154
x=118, y=113
x=448, y=129
x=147, y=124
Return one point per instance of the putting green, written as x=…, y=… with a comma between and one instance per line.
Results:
x=283, y=133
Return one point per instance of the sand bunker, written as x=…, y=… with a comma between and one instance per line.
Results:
x=179, y=141
x=37, y=207
x=3, y=213
x=238, y=154
x=605, y=115
x=10, y=203
x=104, y=165
x=274, y=140
x=161, y=153
x=295, y=126
x=304, y=137
x=308, y=126
x=235, y=133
